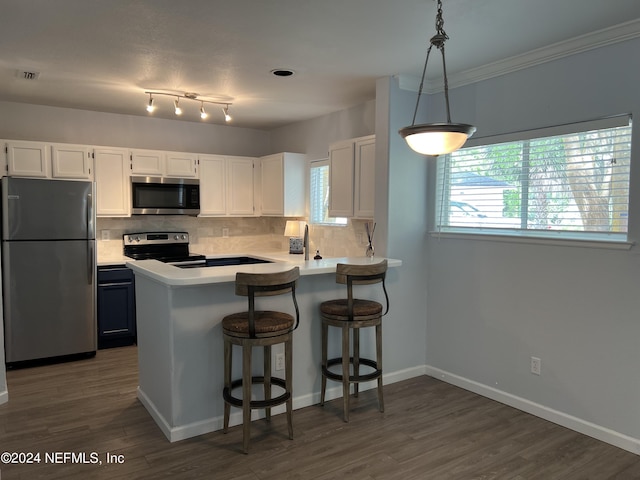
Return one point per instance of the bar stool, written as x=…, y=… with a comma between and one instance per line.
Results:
x=353, y=314
x=259, y=328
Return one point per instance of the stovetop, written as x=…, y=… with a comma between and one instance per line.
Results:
x=169, y=247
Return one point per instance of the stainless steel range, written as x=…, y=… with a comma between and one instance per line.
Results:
x=168, y=247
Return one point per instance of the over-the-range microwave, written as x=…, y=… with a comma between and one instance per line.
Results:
x=165, y=196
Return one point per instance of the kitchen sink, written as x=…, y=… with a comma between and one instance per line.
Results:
x=225, y=261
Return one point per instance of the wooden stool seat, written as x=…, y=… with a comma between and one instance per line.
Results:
x=260, y=328
x=268, y=324
x=350, y=315
x=339, y=309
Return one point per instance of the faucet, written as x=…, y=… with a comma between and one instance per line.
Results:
x=306, y=242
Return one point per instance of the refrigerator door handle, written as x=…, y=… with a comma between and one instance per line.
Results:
x=90, y=227
x=90, y=263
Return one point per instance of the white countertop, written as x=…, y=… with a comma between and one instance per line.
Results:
x=177, y=277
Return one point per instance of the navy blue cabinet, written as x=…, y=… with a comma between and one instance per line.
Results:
x=116, y=307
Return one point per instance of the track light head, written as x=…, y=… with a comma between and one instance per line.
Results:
x=227, y=117
x=150, y=106
x=203, y=114
x=176, y=104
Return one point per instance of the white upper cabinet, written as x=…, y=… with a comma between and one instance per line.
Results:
x=226, y=186
x=113, y=187
x=28, y=159
x=71, y=162
x=240, y=191
x=283, y=185
x=213, y=185
x=352, y=177
x=341, y=166
x=365, y=177
x=147, y=162
x=182, y=165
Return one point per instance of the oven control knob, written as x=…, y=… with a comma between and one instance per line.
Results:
x=183, y=237
x=176, y=237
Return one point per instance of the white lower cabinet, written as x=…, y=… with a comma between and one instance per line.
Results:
x=352, y=178
x=226, y=186
x=113, y=187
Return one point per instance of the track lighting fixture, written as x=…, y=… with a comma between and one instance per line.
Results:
x=189, y=96
x=150, y=106
x=436, y=138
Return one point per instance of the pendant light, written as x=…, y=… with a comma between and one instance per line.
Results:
x=436, y=138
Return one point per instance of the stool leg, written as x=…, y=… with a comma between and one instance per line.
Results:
x=379, y=364
x=267, y=379
x=227, y=382
x=345, y=372
x=325, y=333
x=356, y=359
x=288, y=366
x=246, y=395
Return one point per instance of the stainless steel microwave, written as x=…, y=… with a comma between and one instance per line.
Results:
x=165, y=196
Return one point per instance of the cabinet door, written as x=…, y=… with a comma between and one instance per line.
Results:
x=28, y=159
x=116, y=311
x=147, y=162
x=181, y=165
x=71, y=161
x=365, y=177
x=213, y=185
x=272, y=181
x=240, y=199
x=341, y=179
x=113, y=187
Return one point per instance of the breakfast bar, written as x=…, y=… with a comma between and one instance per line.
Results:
x=180, y=354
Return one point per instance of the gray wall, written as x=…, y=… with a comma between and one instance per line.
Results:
x=492, y=305
x=20, y=121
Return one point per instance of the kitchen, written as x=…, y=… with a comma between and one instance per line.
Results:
x=432, y=265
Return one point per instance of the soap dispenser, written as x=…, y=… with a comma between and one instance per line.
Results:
x=317, y=257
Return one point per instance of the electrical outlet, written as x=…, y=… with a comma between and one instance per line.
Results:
x=105, y=234
x=225, y=233
x=279, y=361
x=536, y=366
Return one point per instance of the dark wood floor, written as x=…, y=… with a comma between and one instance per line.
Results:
x=430, y=430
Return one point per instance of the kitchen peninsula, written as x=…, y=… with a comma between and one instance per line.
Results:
x=180, y=354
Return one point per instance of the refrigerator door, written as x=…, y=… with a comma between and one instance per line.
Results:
x=49, y=299
x=36, y=209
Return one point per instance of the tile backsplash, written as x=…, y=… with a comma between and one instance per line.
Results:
x=245, y=235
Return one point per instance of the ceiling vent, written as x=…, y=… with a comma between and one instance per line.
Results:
x=28, y=74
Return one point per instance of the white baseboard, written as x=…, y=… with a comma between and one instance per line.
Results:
x=4, y=396
x=577, y=424
x=213, y=424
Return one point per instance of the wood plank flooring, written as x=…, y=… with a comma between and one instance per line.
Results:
x=430, y=430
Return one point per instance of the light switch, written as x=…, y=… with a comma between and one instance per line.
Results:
x=105, y=234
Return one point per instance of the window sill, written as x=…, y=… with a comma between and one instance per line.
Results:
x=563, y=242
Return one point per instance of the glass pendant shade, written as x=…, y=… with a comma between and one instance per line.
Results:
x=437, y=138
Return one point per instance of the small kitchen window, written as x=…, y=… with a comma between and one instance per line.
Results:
x=319, y=195
x=567, y=182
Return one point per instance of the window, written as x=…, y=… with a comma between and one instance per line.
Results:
x=319, y=195
x=573, y=185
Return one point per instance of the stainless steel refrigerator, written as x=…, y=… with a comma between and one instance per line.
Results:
x=48, y=268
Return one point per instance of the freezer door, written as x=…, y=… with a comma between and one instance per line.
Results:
x=49, y=299
x=37, y=209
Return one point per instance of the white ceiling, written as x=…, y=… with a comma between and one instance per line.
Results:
x=103, y=55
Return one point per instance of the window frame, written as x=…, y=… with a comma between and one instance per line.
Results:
x=616, y=240
x=340, y=221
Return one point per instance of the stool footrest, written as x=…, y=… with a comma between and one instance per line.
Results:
x=267, y=403
x=352, y=378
